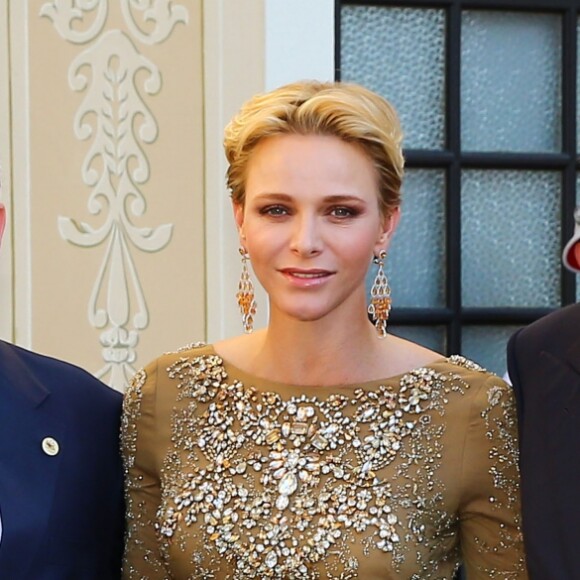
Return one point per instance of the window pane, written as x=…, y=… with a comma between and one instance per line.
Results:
x=400, y=53
x=416, y=260
x=432, y=337
x=510, y=238
x=486, y=345
x=511, y=89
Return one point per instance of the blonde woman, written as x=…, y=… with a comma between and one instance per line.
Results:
x=320, y=446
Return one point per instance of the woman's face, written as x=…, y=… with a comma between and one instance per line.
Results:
x=311, y=223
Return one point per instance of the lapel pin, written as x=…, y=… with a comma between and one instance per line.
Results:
x=50, y=446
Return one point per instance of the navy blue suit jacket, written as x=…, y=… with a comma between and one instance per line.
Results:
x=62, y=515
x=544, y=367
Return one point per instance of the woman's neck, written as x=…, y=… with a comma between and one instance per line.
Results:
x=315, y=353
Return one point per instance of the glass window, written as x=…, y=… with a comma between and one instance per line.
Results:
x=511, y=86
x=432, y=337
x=416, y=260
x=377, y=45
x=510, y=238
x=487, y=346
x=488, y=103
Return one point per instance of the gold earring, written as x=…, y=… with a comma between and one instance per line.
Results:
x=245, y=296
x=380, y=305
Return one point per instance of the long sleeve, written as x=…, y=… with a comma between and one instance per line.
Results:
x=140, y=447
x=491, y=539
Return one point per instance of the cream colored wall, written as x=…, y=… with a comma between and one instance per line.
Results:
x=121, y=243
x=234, y=57
x=108, y=181
x=250, y=46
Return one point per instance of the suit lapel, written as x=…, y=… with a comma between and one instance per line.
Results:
x=28, y=474
x=556, y=398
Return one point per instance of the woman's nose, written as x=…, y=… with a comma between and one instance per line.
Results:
x=306, y=238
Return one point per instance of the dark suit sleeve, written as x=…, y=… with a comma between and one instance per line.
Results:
x=544, y=365
x=95, y=414
x=62, y=512
x=118, y=536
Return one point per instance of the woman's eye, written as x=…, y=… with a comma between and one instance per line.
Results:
x=274, y=210
x=342, y=212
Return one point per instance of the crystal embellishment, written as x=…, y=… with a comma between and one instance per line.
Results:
x=288, y=484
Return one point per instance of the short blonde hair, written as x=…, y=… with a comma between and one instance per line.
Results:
x=348, y=111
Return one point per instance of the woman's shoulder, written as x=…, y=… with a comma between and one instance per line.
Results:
x=463, y=370
x=400, y=356
x=466, y=368
x=166, y=366
x=412, y=355
x=454, y=373
x=470, y=388
x=159, y=383
x=182, y=353
x=196, y=348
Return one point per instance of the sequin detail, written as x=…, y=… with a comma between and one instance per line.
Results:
x=257, y=485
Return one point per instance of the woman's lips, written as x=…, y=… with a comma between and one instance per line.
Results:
x=306, y=278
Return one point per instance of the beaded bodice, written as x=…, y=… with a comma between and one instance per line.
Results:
x=229, y=476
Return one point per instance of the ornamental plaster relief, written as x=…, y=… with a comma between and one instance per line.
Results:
x=115, y=119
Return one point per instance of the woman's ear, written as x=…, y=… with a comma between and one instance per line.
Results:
x=239, y=217
x=388, y=227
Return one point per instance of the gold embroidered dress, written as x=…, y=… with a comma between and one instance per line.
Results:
x=230, y=476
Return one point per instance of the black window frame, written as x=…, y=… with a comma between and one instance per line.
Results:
x=453, y=161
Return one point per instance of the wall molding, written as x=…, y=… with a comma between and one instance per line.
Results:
x=116, y=118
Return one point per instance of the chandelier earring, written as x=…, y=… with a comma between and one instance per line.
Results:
x=380, y=305
x=245, y=295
